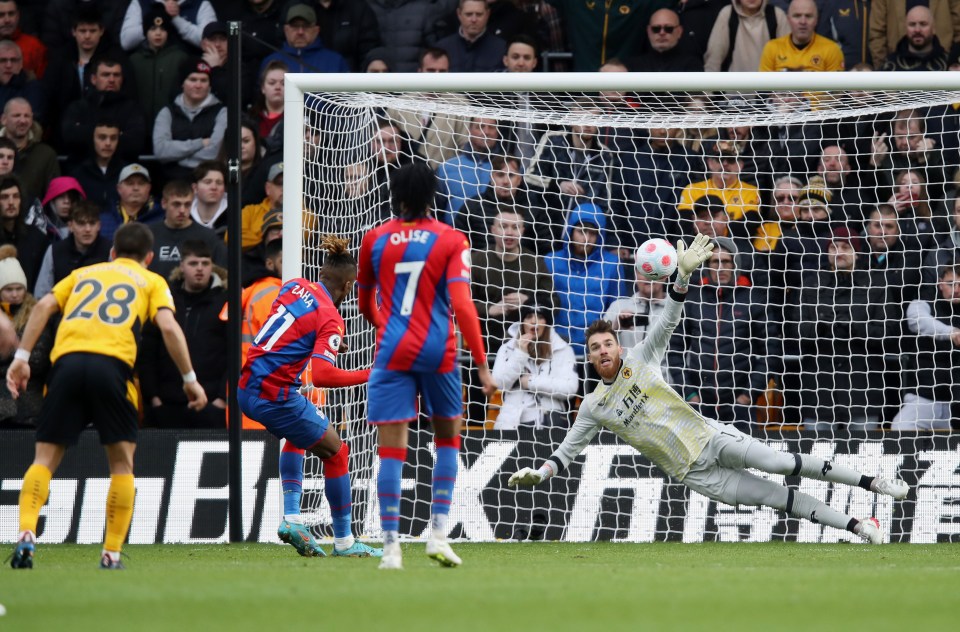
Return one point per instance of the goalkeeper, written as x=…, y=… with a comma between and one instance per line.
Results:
x=709, y=457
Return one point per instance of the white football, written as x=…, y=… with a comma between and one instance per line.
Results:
x=656, y=259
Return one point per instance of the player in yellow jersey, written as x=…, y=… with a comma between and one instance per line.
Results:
x=635, y=403
x=104, y=307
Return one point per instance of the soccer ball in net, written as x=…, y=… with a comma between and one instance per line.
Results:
x=656, y=259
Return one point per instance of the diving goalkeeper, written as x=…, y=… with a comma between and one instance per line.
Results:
x=709, y=457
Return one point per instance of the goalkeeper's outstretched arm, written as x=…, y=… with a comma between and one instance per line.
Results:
x=581, y=433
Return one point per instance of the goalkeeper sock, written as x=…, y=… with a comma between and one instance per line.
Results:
x=812, y=467
x=291, y=480
x=802, y=505
x=33, y=496
x=336, y=488
x=388, y=491
x=119, y=510
x=444, y=479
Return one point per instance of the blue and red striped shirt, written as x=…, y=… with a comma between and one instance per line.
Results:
x=410, y=264
x=303, y=324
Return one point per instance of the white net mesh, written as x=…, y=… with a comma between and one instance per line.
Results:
x=824, y=329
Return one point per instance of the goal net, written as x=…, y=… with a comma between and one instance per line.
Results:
x=825, y=322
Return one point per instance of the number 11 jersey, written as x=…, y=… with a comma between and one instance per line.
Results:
x=410, y=263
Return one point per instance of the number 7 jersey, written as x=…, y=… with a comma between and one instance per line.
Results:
x=410, y=263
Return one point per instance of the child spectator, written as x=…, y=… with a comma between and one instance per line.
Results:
x=53, y=212
x=83, y=247
x=156, y=63
x=187, y=16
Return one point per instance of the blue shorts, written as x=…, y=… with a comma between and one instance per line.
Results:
x=392, y=395
x=296, y=419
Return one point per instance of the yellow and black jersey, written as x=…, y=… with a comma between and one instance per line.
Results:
x=105, y=306
x=820, y=55
x=738, y=200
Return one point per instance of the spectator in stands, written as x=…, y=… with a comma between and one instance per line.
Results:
x=779, y=216
x=536, y=370
x=571, y=168
x=505, y=192
x=741, y=31
x=850, y=189
x=251, y=155
x=253, y=262
x=507, y=277
x=17, y=82
x=134, y=202
x=215, y=51
x=647, y=186
x=467, y=173
x=936, y=324
x=83, y=247
x=69, y=71
x=520, y=137
x=156, y=63
x=98, y=174
x=599, y=31
x=408, y=28
x=104, y=101
x=177, y=228
x=947, y=250
x=919, y=49
x=586, y=277
x=888, y=25
x=434, y=137
x=378, y=60
x=474, y=48
x=191, y=129
x=845, y=22
x=894, y=281
x=350, y=28
x=209, y=206
x=253, y=215
x=909, y=147
x=741, y=199
x=802, y=246
x=36, y=162
x=262, y=20
x=729, y=340
x=8, y=156
x=697, y=18
x=29, y=242
x=833, y=316
x=34, y=52
x=268, y=105
x=664, y=32
x=187, y=16
x=921, y=219
x=632, y=316
x=199, y=291
x=547, y=29
x=56, y=27
x=803, y=49
x=50, y=215
x=303, y=50
x=17, y=303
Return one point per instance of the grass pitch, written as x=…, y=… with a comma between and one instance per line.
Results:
x=500, y=587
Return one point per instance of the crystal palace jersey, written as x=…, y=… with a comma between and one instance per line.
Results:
x=304, y=323
x=410, y=263
x=642, y=409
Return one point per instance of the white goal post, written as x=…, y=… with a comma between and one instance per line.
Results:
x=789, y=169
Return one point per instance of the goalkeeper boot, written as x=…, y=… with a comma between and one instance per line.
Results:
x=300, y=538
x=870, y=531
x=440, y=551
x=357, y=549
x=23, y=553
x=392, y=557
x=892, y=487
x=110, y=561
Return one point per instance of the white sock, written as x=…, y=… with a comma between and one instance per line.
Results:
x=26, y=536
x=113, y=555
x=293, y=518
x=391, y=537
x=342, y=544
x=439, y=524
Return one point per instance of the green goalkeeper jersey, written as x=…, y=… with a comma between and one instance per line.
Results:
x=642, y=409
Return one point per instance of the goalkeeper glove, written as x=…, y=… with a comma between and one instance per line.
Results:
x=689, y=259
x=526, y=476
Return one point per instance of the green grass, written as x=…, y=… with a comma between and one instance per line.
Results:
x=538, y=587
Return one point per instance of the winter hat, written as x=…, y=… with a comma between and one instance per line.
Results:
x=190, y=66
x=156, y=16
x=59, y=186
x=816, y=193
x=11, y=272
x=273, y=219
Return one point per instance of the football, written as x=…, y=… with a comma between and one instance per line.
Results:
x=656, y=259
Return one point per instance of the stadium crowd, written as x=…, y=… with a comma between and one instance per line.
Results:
x=840, y=234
